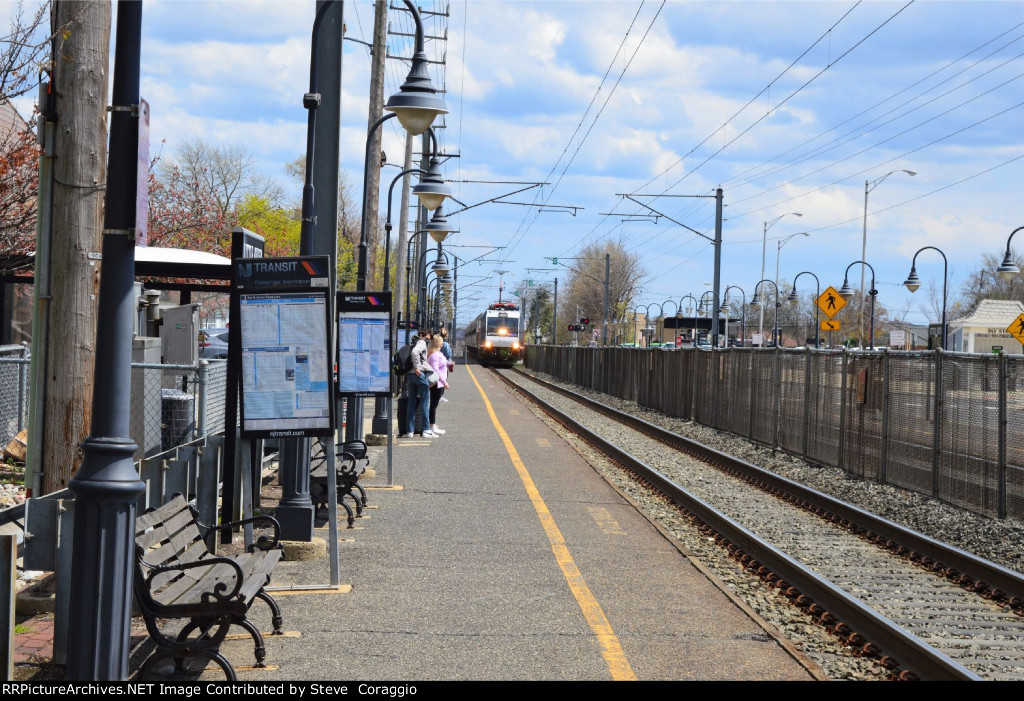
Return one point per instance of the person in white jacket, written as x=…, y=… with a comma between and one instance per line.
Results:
x=419, y=388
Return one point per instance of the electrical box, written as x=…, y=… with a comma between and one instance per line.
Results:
x=179, y=331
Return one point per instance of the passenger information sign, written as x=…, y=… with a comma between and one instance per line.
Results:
x=364, y=343
x=285, y=336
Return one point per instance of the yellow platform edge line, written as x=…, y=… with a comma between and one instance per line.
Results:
x=611, y=649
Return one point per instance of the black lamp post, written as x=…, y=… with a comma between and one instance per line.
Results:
x=703, y=308
x=416, y=105
x=1008, y=270
x=680, y=306
x=793, y=298
x=106, y=485
x=743, y=312
x=912, y=283
x=757, y=304
x=846, y=292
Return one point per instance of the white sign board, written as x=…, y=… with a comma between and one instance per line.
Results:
x=285, y=369
x=757, y=339
x=897, y=338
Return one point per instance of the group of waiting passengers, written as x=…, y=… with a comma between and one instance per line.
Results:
x=426, y=382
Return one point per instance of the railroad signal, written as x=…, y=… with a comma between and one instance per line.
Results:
x=585, y=321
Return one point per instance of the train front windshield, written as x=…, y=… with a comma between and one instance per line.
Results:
x=502, y=326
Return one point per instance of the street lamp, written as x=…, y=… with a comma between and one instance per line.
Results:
x=663, y=318
x=846, y=292
x=647, y=316
x=912, y=283
x=1008, y=270
x=756, y=302
x=764, y=252
x=743, y=310
x=778, y=253
x=417, y=103
x=868, y=187
x=793, y=298
x=694, y=309
x=714, y=321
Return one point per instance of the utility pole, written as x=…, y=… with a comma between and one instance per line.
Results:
x=378, y=54
x=718, y=267
x=607, y=278
x=80, y=80
x=403, y=232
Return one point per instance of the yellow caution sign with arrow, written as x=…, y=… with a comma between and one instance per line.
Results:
x=830, y=325
x=831, y=302
x=1016, y=329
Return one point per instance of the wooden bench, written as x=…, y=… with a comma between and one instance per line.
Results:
x=177, y=577
x=353, y=460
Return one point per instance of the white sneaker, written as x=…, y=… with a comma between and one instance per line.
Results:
x=444, y=399
x=430, y=434
x=437, y=431
x=405, y=435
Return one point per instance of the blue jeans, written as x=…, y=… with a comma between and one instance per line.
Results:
x=419, y=400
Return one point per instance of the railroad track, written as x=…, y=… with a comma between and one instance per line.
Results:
x=924, y=608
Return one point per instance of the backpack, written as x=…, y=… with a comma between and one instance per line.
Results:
x=401, y=361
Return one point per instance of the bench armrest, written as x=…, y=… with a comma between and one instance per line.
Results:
x=262, y=543
x=218, y=592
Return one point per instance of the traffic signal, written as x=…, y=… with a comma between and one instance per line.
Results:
x=585, y=321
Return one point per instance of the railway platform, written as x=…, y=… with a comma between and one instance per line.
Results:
x=502, y=555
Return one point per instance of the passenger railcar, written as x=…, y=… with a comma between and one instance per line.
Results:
x=495, y=337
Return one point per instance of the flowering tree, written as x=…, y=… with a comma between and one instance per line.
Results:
x=19, y=181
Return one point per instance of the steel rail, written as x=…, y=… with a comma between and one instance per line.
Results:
x=976, y=573
x=905, y=649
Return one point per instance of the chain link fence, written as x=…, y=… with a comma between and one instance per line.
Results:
x=171, y=405
x=950, y=425
x=14, y=371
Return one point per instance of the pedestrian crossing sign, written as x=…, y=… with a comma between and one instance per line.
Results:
x=830, y=325
x=1016, y=329
x=831, y=302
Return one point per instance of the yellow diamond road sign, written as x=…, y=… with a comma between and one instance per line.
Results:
x=1016, y=329
x=831, y=302
x=828, y=325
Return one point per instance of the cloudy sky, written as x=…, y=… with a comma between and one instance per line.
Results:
x=787, y=106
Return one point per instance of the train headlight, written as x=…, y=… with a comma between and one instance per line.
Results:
x=515, y=345
x=503, y=332
x=487, y=344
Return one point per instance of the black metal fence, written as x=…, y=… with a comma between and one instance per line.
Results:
x=950, y=425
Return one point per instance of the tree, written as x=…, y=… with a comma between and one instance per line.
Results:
x=19, y=186
x=184, y=212
x=584, y=289
x=985, y=283
x=227, y=173
x=24, y=55
x=280, y=227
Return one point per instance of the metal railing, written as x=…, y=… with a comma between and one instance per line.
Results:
x=950, y=425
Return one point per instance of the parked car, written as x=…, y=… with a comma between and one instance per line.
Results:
x=213, y=343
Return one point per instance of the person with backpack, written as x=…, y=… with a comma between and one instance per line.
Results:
x=418, y=384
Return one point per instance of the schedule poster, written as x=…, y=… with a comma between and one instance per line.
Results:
x=286, y=370
x=364, y=343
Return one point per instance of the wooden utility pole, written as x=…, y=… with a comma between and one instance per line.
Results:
x=80, y=78
x=372, y=194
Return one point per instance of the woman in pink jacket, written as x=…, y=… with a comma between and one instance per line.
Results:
x=439, y=363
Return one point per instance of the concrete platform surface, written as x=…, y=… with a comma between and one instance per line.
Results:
x=497, y=564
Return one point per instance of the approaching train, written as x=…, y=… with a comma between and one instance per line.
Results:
x=495, y=337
